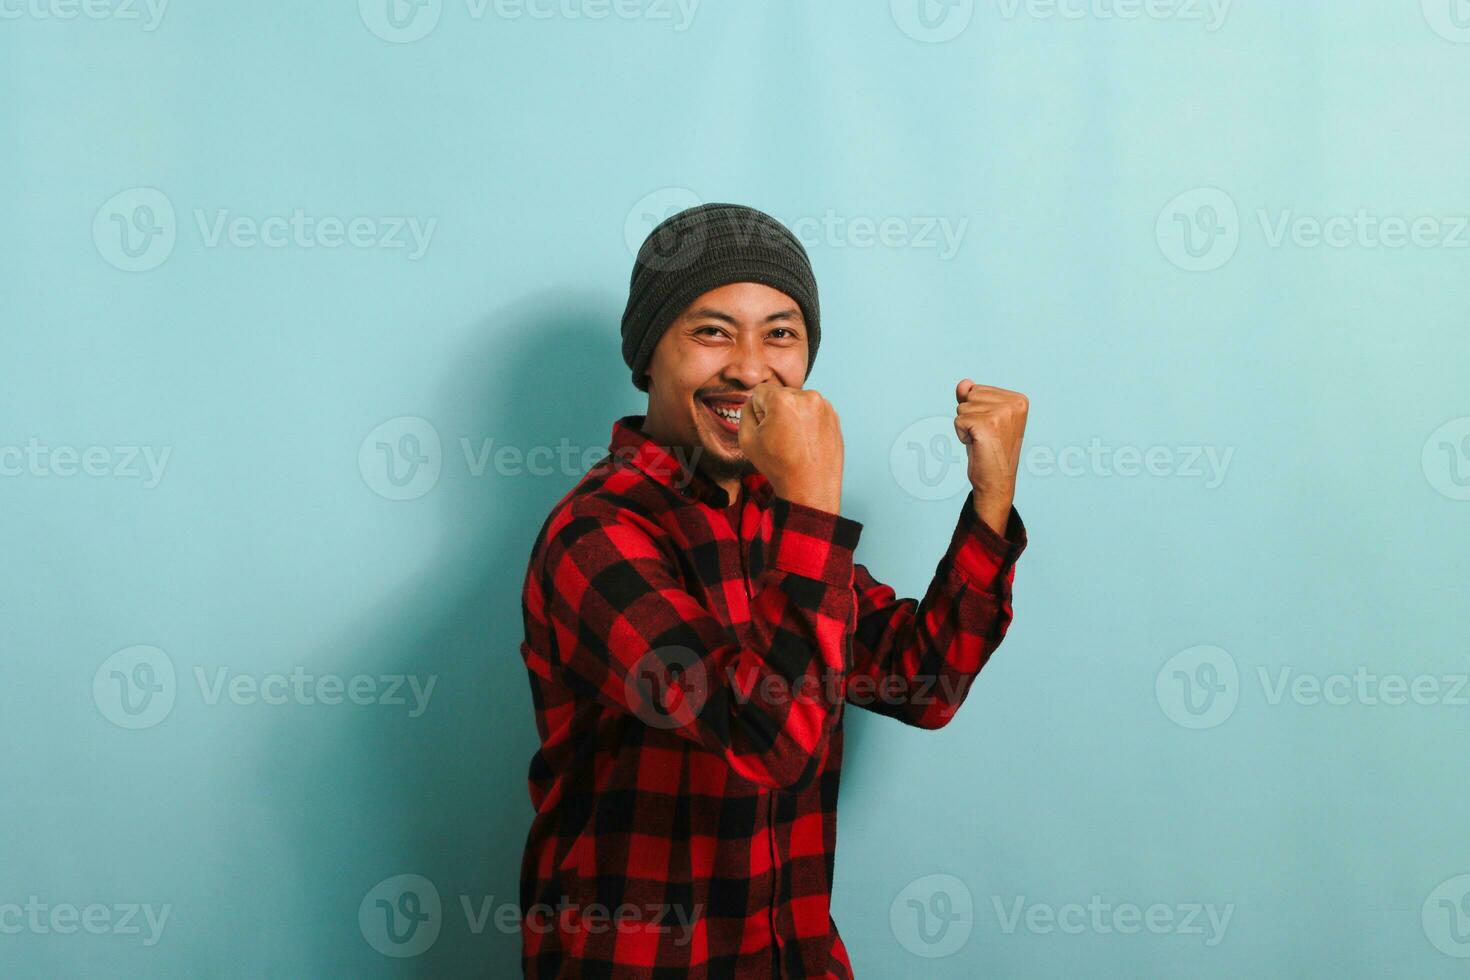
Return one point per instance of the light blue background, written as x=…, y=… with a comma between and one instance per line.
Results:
x=1336, y=539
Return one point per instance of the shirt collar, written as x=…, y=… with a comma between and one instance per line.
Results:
x=667, y=466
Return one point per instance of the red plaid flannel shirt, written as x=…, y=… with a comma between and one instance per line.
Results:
x=689, y=662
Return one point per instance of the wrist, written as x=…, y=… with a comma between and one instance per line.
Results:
x=827, y=499
x=994, y=511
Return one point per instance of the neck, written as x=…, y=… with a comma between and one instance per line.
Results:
x=725, y=479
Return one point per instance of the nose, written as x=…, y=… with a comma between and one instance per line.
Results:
x=747, y=365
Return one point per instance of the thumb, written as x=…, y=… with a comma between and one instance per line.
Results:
x=748, y=424
x=962, y=390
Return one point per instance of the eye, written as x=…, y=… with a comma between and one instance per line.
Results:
x=713, y=329
x=784, y=330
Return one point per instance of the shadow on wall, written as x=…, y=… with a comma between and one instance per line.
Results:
x=367, y=795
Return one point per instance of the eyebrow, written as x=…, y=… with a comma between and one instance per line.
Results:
x=709, y=313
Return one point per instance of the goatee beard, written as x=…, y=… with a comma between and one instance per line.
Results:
x=719, y=469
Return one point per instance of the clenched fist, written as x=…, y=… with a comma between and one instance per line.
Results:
x=991, y=422
x=792, y=435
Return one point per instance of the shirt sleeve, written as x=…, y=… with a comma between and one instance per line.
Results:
x=915, y=660
x=627, y=632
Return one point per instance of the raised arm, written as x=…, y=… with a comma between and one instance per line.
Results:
x=915, y=660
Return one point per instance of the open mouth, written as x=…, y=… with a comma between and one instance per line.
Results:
x=725, y=411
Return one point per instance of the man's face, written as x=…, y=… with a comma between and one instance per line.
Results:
x=728, y=341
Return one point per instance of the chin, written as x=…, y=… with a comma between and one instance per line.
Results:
x=721, y=456
x=718, y=460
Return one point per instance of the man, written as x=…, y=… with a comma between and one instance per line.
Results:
x=695, y=625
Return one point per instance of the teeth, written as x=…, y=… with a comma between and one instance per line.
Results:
x=733, y=414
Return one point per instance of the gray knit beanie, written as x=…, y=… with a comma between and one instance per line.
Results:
x=704, y=248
